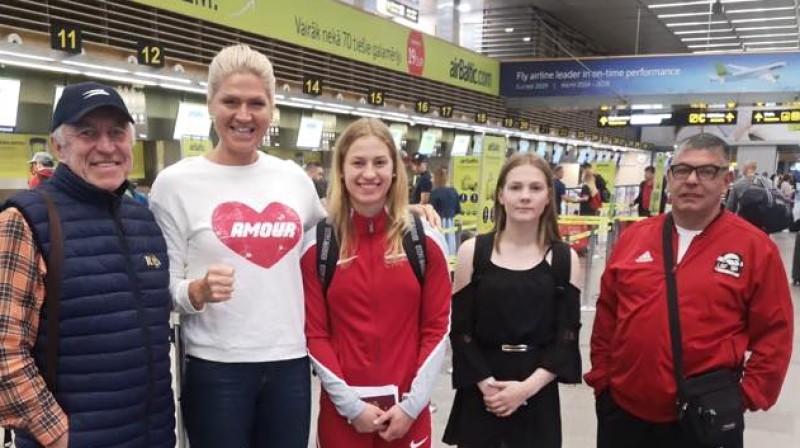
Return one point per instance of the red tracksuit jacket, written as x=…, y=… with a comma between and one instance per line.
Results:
x=376, y=327
x=733, y=297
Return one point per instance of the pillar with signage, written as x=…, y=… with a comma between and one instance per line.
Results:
x=492, y=156
x=609, y=172
x=658, y=183
x=466, y=177
x=15, y=152
x=195, y=146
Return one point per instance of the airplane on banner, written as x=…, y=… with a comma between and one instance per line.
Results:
x=730, y=72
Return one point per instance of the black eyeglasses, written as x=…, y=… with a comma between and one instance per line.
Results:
x=682, y=171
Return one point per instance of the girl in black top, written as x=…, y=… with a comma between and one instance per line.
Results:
x=514, y=326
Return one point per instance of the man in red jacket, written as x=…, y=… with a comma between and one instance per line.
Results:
x=733, y=298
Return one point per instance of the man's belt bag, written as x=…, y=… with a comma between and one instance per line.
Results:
x=712, y=406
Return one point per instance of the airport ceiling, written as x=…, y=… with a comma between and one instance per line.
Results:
x=622, y=27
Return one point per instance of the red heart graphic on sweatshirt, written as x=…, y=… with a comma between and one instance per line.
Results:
x=262, y=237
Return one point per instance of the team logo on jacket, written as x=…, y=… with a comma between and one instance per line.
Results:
x=730, y=264
x=264, y=237
x=152, y=261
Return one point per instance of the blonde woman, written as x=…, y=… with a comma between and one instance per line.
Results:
x=234, y=222
x=376, y=334
x=589, y=199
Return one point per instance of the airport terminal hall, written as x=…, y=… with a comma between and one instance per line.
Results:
x=399, y=223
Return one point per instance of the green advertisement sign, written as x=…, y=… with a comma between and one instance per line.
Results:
x=15, y=152
x=609, y=172
x=658, y=183
x=342, y=30
x=493, y=155
x=466, y=173
x=195, y=147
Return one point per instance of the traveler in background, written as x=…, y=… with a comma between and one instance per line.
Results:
x=733, y=301
x=376, y=297
x=589, y=199
x=41, y=167
x=559, y=189
x=234, y=221
x=514, y=334
x=642, y=201
x=317, y=174
x=749, y=177
x=787, y=186
x=776, y=179
x=112, y=364
x=599, y=182
x=445, y=200
x=132, y=191
x=423, y=183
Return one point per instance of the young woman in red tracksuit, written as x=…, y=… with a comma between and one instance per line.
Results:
x=377, y=325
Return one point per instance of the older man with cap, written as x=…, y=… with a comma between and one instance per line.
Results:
x=84, y=293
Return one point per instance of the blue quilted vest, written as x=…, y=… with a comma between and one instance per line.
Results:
x=114, y=379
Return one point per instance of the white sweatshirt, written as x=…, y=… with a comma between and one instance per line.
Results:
x=250, y=217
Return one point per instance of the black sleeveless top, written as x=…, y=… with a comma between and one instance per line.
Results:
x=506, y=306
x=515, y=306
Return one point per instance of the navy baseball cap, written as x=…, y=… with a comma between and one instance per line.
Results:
x=419, y=158
x=77, y=100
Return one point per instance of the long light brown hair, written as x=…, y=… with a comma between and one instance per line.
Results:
x=548, y=222
x=396, y=198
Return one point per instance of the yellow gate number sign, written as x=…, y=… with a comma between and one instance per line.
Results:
x=150, y=54
x=66, y=37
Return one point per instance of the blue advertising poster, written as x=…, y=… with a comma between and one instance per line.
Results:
x=718, y=73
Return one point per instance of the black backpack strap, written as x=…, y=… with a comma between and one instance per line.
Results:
x=561, y=264
x=327, y=254
x=484, y=244
x=414, y=245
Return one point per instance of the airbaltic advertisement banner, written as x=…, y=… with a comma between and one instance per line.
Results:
x=342, y=30
x=653, y=75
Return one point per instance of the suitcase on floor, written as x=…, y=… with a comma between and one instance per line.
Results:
x=581, y=244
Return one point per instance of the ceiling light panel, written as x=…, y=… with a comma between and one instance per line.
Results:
x=729, y=44
x=764, y=19
x=758, y=10
x=680, y=24
x=717, y=30
x=697, y=2
x=794, y=47
x=677, y=4
x=742, y=25
x=771, y=42
x=764, y=28
x=683, y=14
x=763, y=36
x=703, y=39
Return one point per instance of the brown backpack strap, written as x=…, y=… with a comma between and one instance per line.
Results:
x=55, y=270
